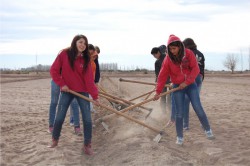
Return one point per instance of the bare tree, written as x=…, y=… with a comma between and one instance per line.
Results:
x=230, y=62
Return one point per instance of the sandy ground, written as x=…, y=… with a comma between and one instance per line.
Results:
x=24, y=124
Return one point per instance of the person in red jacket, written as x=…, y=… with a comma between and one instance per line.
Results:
x=190, y=44
x=71, y=70
x=181, y=65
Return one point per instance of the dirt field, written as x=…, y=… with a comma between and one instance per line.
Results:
x=24, y=125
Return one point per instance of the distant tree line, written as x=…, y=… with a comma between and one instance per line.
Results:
x=230, y=63
x=46, y=68
x=38, y=68
x=108, y=67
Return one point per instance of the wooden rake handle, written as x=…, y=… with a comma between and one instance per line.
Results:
x=148, y=100
x=99, y=87
x=112, y=99
x=123, y=100
x=117, y=112
x=140, y=82
x=149, y=94
x=142, y=95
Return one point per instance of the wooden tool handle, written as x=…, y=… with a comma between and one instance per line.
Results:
x=117, y=112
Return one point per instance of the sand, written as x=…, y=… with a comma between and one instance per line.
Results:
x=24, y=125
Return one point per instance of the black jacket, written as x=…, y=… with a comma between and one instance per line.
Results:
x=97, y=72
x=159, y=61
x=201, y=61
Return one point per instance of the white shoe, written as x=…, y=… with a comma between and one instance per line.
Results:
x=179, y=141
x=92, y=110
x=209, y=134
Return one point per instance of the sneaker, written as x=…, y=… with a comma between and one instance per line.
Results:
x=50, y=130
x=54, y=143
x=93, y=110
x=78, y=131
x=179, y=141
x=71, y=123
x=209, y=134
x=87, y=149
x=186, y=128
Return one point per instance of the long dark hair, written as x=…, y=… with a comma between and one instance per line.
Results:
x=176, y=59
x=189, y=43
x=72, y=52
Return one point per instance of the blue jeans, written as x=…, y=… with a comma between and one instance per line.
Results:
x=55, y=93
x=198, y=82
x=169, y=104
x=179, y=99
x=163, y=101
x=173, y=109
x=64, y=102
x=74, y=113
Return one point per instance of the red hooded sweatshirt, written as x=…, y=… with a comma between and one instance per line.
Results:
x=76, y=79
x=186, y=72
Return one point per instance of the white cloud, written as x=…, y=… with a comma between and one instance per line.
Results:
x=123, y=29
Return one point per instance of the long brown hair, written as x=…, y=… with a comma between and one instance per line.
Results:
x=72, y=51
x=176, y=59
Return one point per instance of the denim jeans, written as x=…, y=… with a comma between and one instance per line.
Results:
x=198, y=82
x=169, y=104
x=55, y=93
x=74, y=113
x=91, y=104
x=163, y=101
x=64, y=102
x=173, y=109
x=179, y=100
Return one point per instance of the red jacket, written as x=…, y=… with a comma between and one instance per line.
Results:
x=186, y=72
x=76, y=79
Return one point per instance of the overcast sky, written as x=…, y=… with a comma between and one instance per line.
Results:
x=34, y=31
